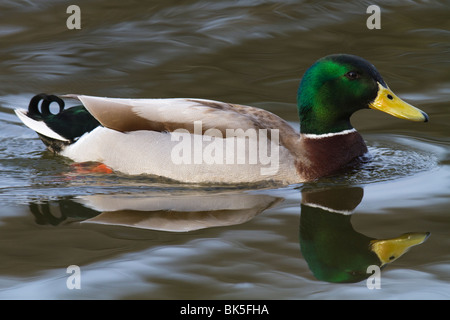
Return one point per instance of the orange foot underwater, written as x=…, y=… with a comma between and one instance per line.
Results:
x=91, y=167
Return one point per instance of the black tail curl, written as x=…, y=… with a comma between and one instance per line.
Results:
x=44, y=110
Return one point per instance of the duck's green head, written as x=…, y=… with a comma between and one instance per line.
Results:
x=336, y=86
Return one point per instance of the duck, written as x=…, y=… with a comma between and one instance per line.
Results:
x=193, y=140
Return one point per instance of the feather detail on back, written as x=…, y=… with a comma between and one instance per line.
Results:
x=160, y=115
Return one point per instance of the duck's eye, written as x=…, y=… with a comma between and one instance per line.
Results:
x=352, y=75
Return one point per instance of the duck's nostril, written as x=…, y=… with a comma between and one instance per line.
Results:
x=390, y=97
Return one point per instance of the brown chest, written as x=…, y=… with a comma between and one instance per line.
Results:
x=326, y=155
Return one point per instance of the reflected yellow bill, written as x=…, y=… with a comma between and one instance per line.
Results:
x=389, y=250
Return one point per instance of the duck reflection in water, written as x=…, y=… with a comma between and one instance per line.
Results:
x=334, y=251
x=157, y=210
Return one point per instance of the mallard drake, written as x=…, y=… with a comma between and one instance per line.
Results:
x=206, y=141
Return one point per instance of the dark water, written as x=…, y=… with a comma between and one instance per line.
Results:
x=145, y=238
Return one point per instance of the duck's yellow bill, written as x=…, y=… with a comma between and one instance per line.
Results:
x=389, y=250
x=388, y=102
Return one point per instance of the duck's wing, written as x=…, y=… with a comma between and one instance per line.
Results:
x=161, y=115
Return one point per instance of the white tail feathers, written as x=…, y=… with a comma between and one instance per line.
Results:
x=38, y=126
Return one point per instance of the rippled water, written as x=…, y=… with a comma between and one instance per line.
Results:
x=141, y=237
